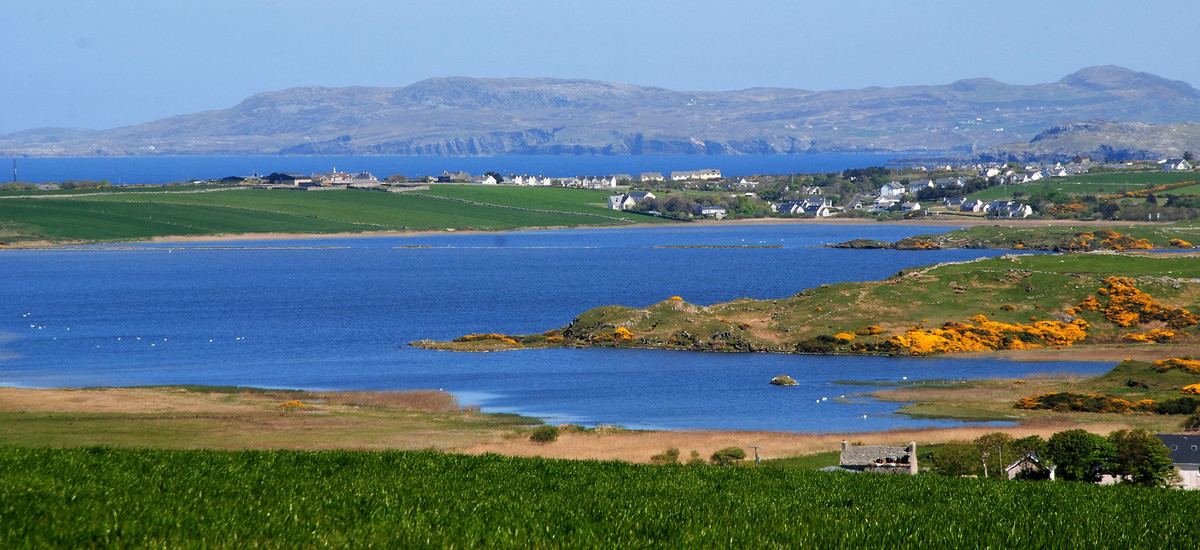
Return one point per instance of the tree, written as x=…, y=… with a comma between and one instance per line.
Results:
x=1192, y=422
x=1079, y=455
x=1141, y=458
x=397, y=178
x=1109, y=209
x=991, y=452
x=956, y=458
x=727, y=456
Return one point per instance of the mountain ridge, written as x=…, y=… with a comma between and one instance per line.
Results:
x=463, y=116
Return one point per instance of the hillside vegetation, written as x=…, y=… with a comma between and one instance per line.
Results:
x=1006, y=303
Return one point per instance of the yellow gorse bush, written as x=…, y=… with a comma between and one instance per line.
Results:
x=1127, y=306
x=1155, y=336
x=987, y=335
x=1186, y=365
x=870, y=330
x=487, y=336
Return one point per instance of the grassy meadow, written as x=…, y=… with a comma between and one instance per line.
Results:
x=97, y=496
x=137, y=214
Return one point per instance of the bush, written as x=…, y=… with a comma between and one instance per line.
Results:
x=727, y=456
x=669, y=456
x=695, y=460
x=544, y=434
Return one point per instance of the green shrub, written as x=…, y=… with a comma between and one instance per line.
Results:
x=695, y=460
x=669, y=456
x=544, y=434
x=727, y=456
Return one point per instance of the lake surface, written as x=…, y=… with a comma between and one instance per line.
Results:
x=337, y=313
x=168, y=169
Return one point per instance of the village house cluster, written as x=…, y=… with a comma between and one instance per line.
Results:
x=901, y=195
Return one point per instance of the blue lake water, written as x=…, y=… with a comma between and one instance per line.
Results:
x=127, y=170
x=337, y=313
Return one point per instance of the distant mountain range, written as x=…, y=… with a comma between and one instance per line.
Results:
x=524, y=116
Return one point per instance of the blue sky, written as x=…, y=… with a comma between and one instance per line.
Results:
x=97, y=64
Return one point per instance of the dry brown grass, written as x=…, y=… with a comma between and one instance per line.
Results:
x=176, y=418
x=417, y=400
x=640, y=446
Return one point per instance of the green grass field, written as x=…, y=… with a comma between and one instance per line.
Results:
x=94, y=496
x=1095, y=184
x=136, y=214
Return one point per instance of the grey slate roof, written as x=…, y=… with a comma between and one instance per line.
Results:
x=1184, y=448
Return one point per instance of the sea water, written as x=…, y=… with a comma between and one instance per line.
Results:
x=338, y=314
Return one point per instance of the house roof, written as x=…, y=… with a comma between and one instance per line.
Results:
x=866, y=455
x=1183, y=448
x=1031, y=458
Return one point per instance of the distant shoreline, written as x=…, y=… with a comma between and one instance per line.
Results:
x=938, y=221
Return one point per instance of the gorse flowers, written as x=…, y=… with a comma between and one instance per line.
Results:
x=985, y=335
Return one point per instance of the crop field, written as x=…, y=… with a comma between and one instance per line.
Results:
x=148, y=498
x=121, y=215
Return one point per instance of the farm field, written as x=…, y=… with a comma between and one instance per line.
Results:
x=1093, y=184
x=97, y=496
x=139, y=214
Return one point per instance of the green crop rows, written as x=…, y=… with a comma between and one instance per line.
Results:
x=130, y=214
x=153, y=498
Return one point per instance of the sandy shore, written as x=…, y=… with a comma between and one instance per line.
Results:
x=157, y=417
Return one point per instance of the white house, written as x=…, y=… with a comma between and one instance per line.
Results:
x=1176, y=164
x=917, y=186
x=883, y=204
x=706, y=174
x=628, y=200
x=1184, y=450
x=717, y=212
x=818, y=207
x=910, y=207
x=972, y=205
x=651, y=176
x=1008, y=209
x=891, y=189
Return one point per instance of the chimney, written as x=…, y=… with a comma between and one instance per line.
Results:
x=912, y=458
x=843, y=445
